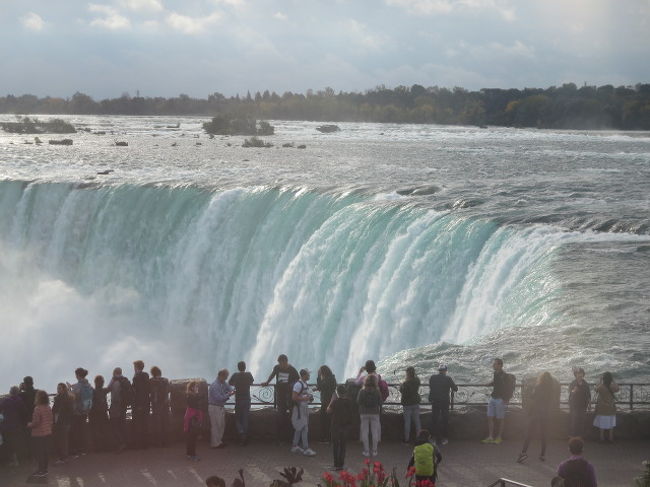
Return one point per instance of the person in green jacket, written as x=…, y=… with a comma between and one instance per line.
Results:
x=425, y=458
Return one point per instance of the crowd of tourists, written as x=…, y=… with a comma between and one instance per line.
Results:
x=80, y=411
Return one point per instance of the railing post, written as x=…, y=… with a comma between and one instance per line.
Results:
x=631, y=397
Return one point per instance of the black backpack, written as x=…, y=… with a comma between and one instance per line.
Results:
x=371, y=399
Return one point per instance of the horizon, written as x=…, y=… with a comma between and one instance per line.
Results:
x=320, y=90
x=162, y=48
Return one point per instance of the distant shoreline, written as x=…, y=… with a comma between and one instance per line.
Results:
x=568, y=107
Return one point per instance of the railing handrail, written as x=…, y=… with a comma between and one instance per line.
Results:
x=502, y=482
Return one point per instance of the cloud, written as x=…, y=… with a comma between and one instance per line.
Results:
x=143, y=5
x=33, y=21
x=429, y=7
x=280, y=16
x=191, y=25
x=361, y=36
x=111, y=19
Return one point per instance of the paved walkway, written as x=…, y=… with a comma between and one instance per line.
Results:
x=464, y=464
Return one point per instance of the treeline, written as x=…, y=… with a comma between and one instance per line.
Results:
x=567, y=106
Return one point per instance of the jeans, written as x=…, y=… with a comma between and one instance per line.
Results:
x=301, y=435
x=217, y=424
x=370, y=425
x=534, y=421
x=61, y=438
x=190, y=441
x=140, y=419
x=440, y=419
x=40, y=446
x=339, y=437
x=79, y=434
x=577, y=419
x=411, y=416
x=118, y=426
x=100, y=431
x=242, y=409
x=159, y=420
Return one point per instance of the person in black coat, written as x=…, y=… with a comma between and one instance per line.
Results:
x=440, y=387
x=579, y=400
x=141, y=405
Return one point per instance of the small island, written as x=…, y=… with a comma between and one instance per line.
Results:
x=28, y=125
x=225, y=125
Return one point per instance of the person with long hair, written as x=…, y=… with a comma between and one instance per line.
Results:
x=579, y=400
x=100, y=428
x=62, y=410
x=369, y=401
x=538, y=412
x=193, y=420
x=41, y=426
x=605, y=419
x=326, y=385
x=410, y=391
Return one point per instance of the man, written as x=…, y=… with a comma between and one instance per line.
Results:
x=121, y=397
x=286, y=376
x=502, y=390
x=300, y=415
x=13, y=425
x=27, y=395
x=576, y=471
x=242, y=381
x=83, y=401
x=159, y=399
x=141, y=406
x=218, y=394
x=440, y=387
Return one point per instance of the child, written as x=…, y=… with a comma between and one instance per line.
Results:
x=342, y=412
x=425, y=459
x=41, y=426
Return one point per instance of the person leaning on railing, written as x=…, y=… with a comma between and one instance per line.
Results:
x=440, y=387
x=286, y=376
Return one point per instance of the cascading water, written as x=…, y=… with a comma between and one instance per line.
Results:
x=195, y=280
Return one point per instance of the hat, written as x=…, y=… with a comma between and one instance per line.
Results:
x=442, y=366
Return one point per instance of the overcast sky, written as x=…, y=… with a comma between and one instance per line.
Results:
x=167, y=47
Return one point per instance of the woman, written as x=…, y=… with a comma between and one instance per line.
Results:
x=62, y=410
x=41, y=426
x=370, y=369
x=369, y=401
x=98, y=417
x=579, y=399
x=605, y=419
x=193, y=420
x=538, y=412
x=410, y=391
x=326, y=384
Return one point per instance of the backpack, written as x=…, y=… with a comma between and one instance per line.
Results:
x=126, y=392
x=383, y=389
x=370, y=400
x=85, y=397
x=511, y=382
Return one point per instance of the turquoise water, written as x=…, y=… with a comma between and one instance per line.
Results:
x=406, y=244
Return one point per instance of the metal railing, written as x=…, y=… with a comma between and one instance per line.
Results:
x=630, y=396
x=506, y=482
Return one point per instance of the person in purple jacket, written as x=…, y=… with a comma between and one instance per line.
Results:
x=575, y=470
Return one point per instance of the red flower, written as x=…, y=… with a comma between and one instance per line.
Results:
x=367, y=461
x=410, y=472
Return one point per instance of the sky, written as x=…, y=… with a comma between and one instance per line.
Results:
x=105, y=48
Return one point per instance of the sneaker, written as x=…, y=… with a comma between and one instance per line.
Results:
x=374, y=453
x=445, y=441
x=308, y=452
x=365, y=453
x=297, y=449
x=522, y=457
x=59, y=462
x=497, y=441
x=193, y=458
x=488, y=441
